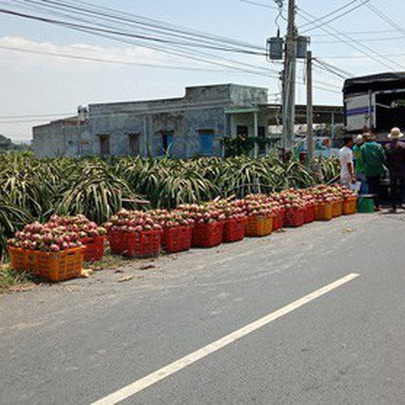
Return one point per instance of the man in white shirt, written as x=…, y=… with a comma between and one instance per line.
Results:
x=346, y=163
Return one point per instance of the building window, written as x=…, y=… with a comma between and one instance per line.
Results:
x=207, y=142
x=167, y=142
x=242, y=131
x=104, y=145
x=261, y=132
x=133, y=144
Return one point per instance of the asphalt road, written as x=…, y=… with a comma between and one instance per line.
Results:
x=80, y=341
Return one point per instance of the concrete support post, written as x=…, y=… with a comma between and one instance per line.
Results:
x=145, y=137
x=231, y=133
x=256, y=133
x=310, y=141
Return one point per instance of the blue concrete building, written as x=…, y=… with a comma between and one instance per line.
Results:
x=186, y=127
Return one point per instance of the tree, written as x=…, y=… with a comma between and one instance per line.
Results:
x=6, y=143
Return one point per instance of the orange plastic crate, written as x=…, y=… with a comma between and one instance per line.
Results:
x=337, y=209
x=52, y=266
x=323, y=212
x=59, y=266
x=259, y=226
x=350, y=206
x=22, y=259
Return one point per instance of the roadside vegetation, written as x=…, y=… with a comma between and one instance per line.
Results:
x=11, y=280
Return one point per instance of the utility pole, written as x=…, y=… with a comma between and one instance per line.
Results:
x=289, y=79
x=310, y=111
x=293, y=47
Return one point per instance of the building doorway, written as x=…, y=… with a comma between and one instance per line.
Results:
x=242, y=131
x=207, y=142
x=167, y=142
x=134, y=144
x=261, y=133
x=104, y=145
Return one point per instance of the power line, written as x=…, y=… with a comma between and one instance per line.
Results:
x=336, y=17
x=23, y=121
x=332, y=69
x=256, y=3
x=363, y=40
x=393, y=55
x=34, y=115
x=327, y=89
x=353, y=43
x=167, y=34
x=327, y=15
x=151, y=25
x=67, y=24
x=349, y=40
x=358, y=33
x=133, y=19
x=113, y=61
x=107, y=33
x=386, y=18
x=139, y=20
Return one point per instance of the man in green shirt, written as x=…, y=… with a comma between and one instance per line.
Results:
x=373, y=162
x=359, y=165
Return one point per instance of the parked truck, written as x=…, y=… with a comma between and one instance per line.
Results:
x=375, y=101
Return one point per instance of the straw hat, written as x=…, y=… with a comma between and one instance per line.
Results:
x=395, y=133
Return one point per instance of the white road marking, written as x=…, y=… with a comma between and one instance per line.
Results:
x=193, y=357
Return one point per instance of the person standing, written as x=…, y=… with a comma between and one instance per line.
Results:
x=358, y=164
x=395, y=152
x=373, y=161
x=347, y=176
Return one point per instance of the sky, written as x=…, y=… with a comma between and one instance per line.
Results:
x=36, y=87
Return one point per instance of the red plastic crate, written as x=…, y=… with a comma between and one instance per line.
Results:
x=137, y=244
x=337, y=208
x=278, y=219
x=234, y=229
x=118, y=243
x=94, y=249
x=177, y=239
x=295, y=217
x=207, y=235
x=309, y=214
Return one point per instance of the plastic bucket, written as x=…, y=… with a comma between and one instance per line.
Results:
x=365, y=204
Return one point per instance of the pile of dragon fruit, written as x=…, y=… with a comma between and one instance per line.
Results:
x=60, y=233
x=132, y=221
x=202, y=214
x=171, y=219
x=67, y=232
